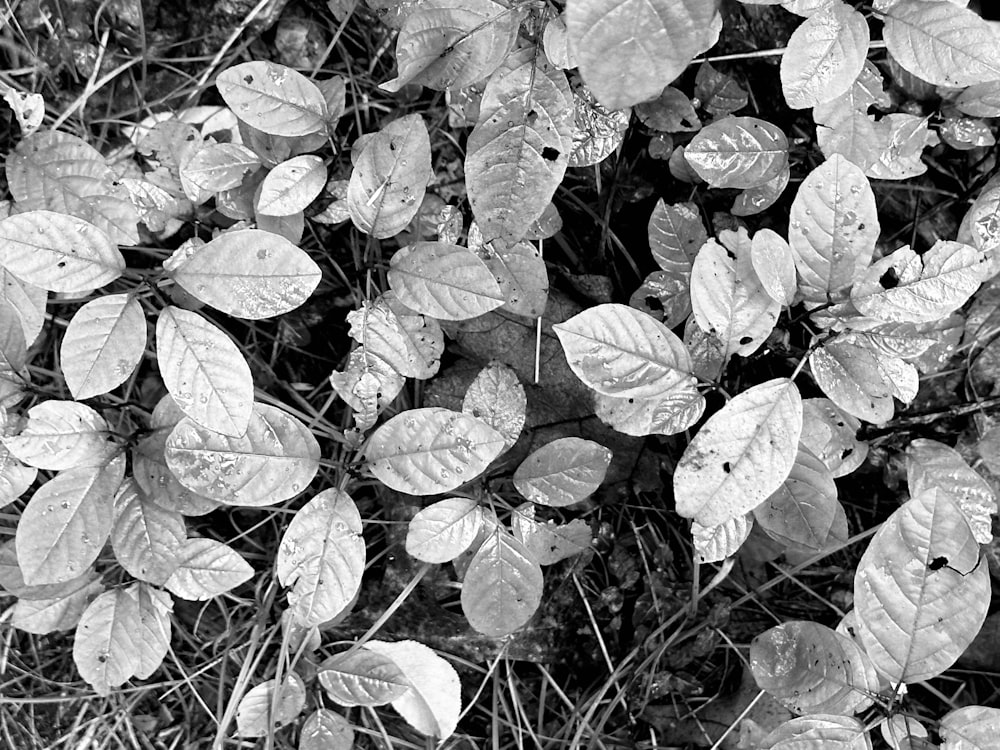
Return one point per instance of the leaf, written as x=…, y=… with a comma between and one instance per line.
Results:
x=773, y=262
x=56, y=169
x=716, y=543
x=903, y=732
x=324, y=729
x=44, y=616
x=146, y=538
x=362, y=678
x=824, y=56
x=757, y=199
x=217, y=167
x=718, y=92
x=204, y=371
x=12, y=579
x=274, y=461
x=832, y=229
x=818, y=732
x=269, y=706
x=548, y=542
x=27, y=300
x=66, y=523
x=15, y=477
x=668, y=414
x=980, y=100
x=901, y=139
x=942, y=43
x=292, y=185
x=517, y=153
x=627, y=50
x=843, y=125
x=970, y=728
x=443, y=281
x=322, y=557
x=906, y=287
x=849, y=375
x=57, y=252
x=273, y=98
x=431, y=450
x=597, y=130
x=671, y=112
x=247, y=273
x=675, y=233
x=728, y=298
x=741, y=455
x=152, y=637
x=61, y=435
x=433, y=704
x=497, y=398
x=931, y=465
x=403, y=342
x=915, y=616
x=812, y=669
x=502, y=587
x=738, y=152
x=444, y=530
x=390, y=177
x=830, y=435
x=105, y=649
x=451, y=44
x=622, y=352
x=103, y=345
x=207, y=568
x=563, y=472
x=521, y=274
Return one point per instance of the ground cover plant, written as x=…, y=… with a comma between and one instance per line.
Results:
x=598, y=374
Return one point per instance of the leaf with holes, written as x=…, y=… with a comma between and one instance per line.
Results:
x=831, y=435
x=269, y=706
x=738, y=152
x=273, y=98
x=716, y=543
x=103, y=344
x=248, y=273
x=741, y=455
x=57, y=252
x=444, y=530
x=146, y=538
x=207, y=568
x=399, y=341
x=502, y=587
x=61, y=435
x=443, y=281
x=362, y=678
x=292, y=185
x=390, y=177
x=322, y=558
x=563, y=472
x=622, y=352
x=451, y=44
x=431, y=450
x=915, y=618
x=519, y=149
x=824, y=56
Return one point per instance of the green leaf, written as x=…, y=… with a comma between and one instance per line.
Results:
x=146, y=538
x=502, y=587
x=207, y=568
x=58, y=252
x=758, y=199
x=738, y=152
x=204, y=371
x=44, y=616
x=716, y=543
x=773, y=262
x=106, y=648
x=61, y=435
x=920, y=591
x=818, y=732
x=431, y=450
x=247, y=273
x=27, y=300
x=666, y=414
x=103, y=345
x=274, y=461
x=628, y=50
x=15, y=477
x=443, y=281
x=563, y=472
x=269, y=706
x=395, y=338
x=622, y=352
x=362, y=678
x=322, y=557
x=517, y=154
x=497, y=397
x=390, y=177
x=57, y=170
x=830, y=434
x=292, y=185
x=444, y=530
x=824, y=56
x=597, y=130
x=521, y=274
x=451, y=44
x=548, y=542
x=812, y=669
x=849, y=374
x=273, y=98
x=324, y=729
x=970, y=728
x=217, y=167
x=153, y=634
x=741, y=455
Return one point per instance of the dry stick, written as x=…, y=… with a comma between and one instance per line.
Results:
x=761, y=53
x=538, y=330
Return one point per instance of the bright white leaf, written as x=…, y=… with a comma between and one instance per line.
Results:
x=497, y=397
x=58, y=252
x=273, y=98
x=105, y=649
x=549, y=542
x=57, y=170
x=146, y=538
x=824, y=55
x=324, y=729
x=521, y=274
x=269, y=706
x=716, y=543
x=849, y=375
x=818, y=732
x=444, y=530
x=322, y=557
x=103, y=344
x=774, y=264
x=622, y=352
x=443, y=281
x=217, y=167
x=970, y=728
x=362, y=678
x=741, y=455
x=921, y=593
x=431, y=450
x=563, y=472
x=61, y=435
x=153, y=634
x=753, y=201
x=12, y=578
x=207, y=568
x=292, y=185
x=274, y=461
x=27, y=300
x=502, y=587
x=597, y=130
x=44, y=616
x=668, y=414
x=15, y=477
x=204, y=371
x=738, y=152
x=830, y=434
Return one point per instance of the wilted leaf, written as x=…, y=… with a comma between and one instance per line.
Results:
x=718, y=92
x=563, y=472
x=444, y=530
x=408, y=344
x=207, y=568
x=502, y=587
x=738, y=152
x=443, y=281
x=273, y=98
x=843, y=125
x=901, y=139
x=269, y=706
x=103, y=344
x=362, y=678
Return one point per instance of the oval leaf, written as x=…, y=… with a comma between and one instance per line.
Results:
x=292, y=185
x=105, y=650
x=738, y=152
x=563, y=472
x=362, y=678
x=970, y=728
x=207, y=568
x=502, y=587
x=444, y=530
x=103, y=344
x=61, y=435
x=818, y=732
x=273, y=98
x=269, y=706
x=443, y=281
x=497, y=397
x=146, y=538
